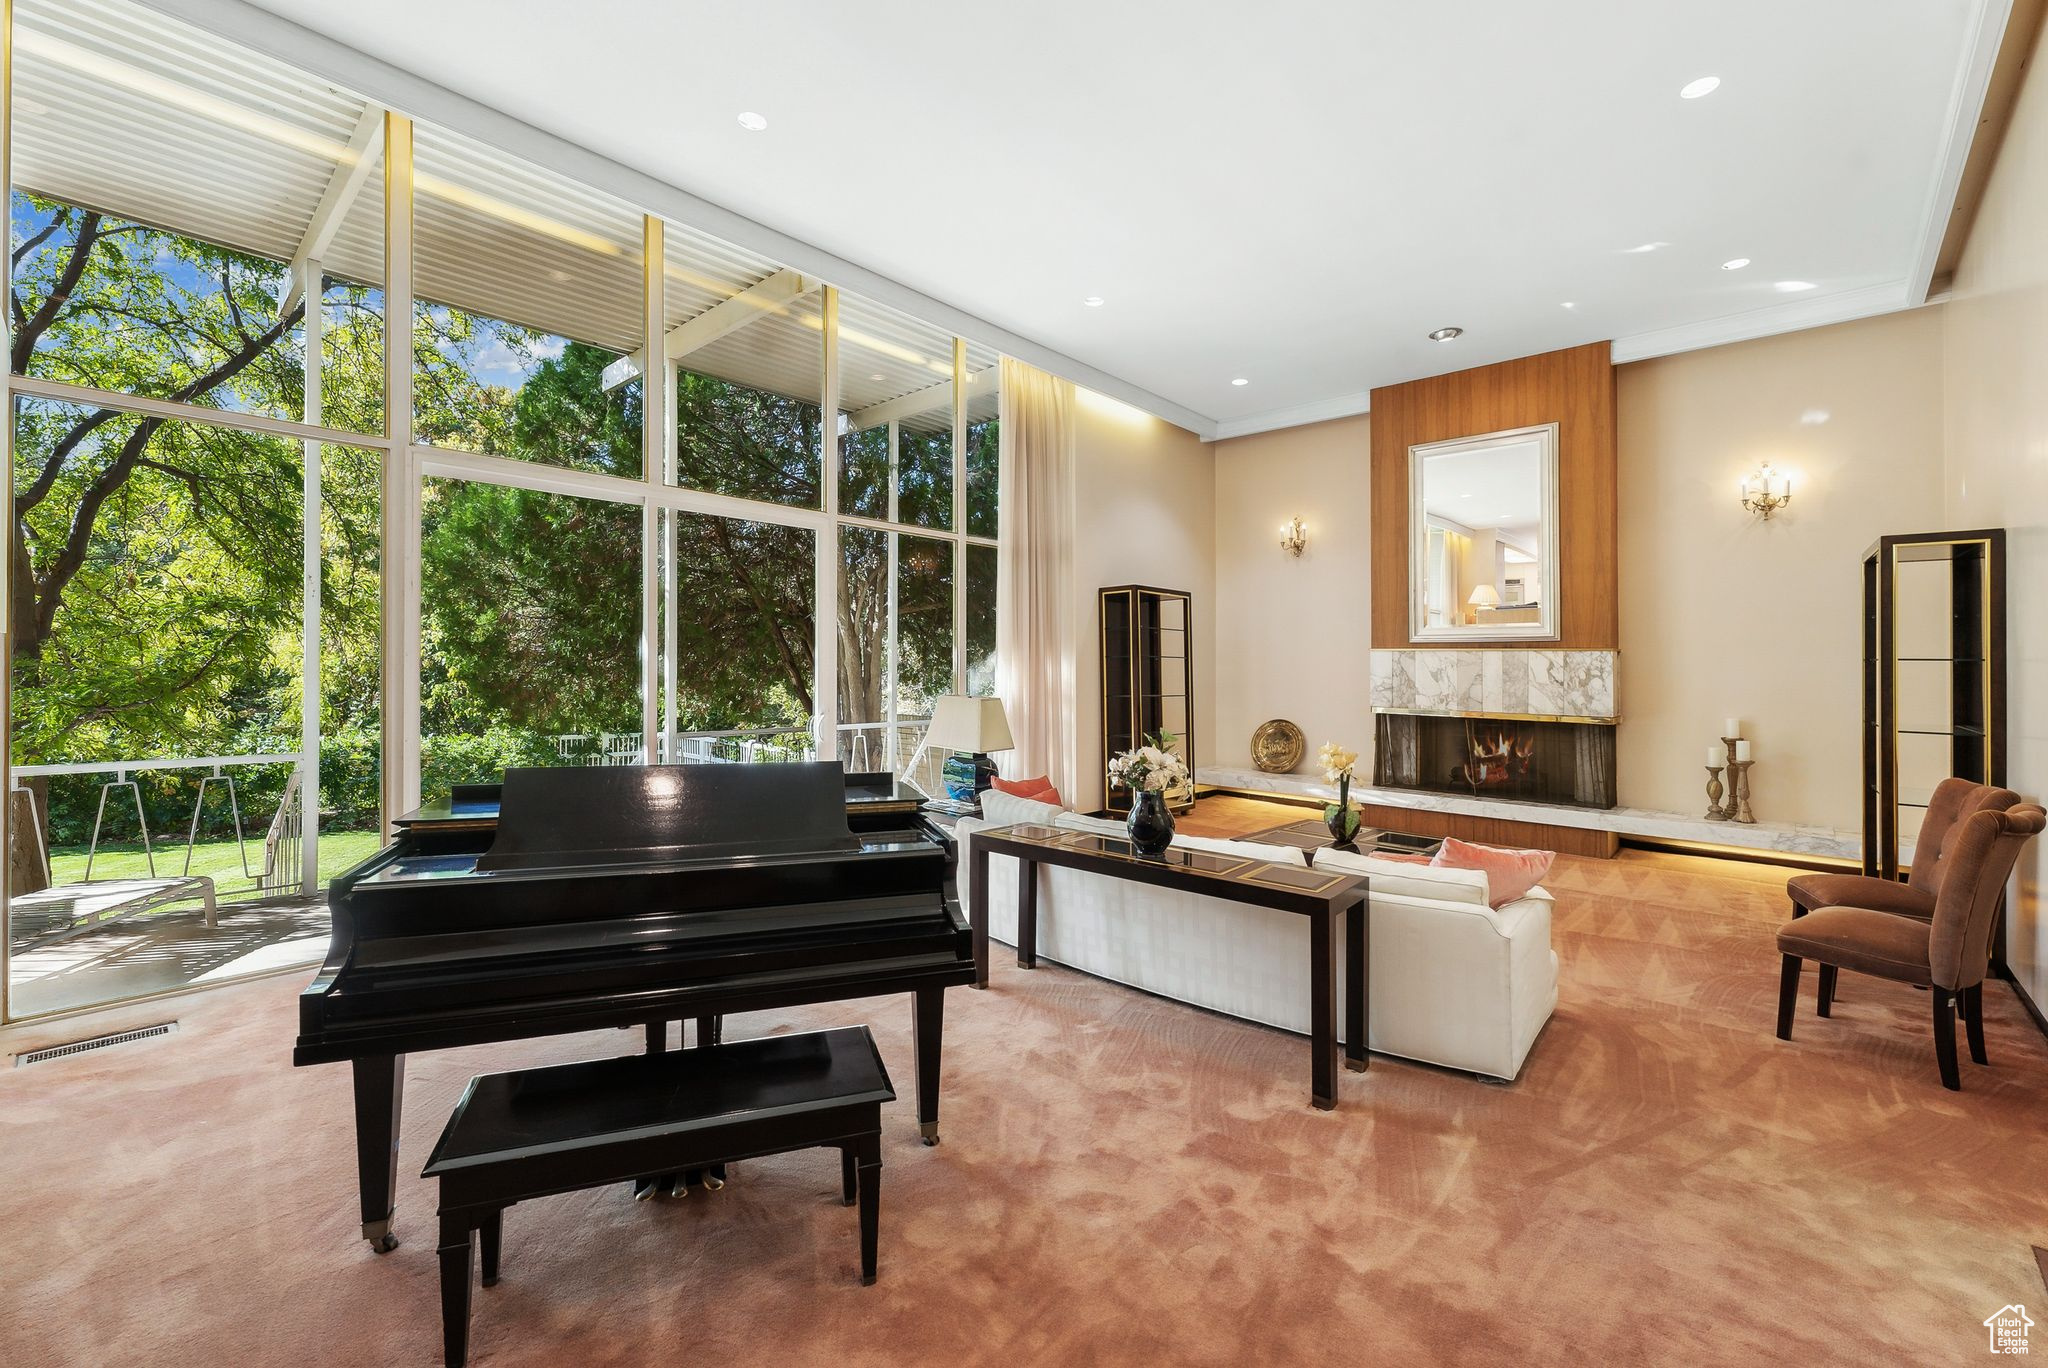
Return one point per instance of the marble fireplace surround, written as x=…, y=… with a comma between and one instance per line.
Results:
x=1531, y=683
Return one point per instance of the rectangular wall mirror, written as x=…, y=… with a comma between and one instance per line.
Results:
x=1482, y=536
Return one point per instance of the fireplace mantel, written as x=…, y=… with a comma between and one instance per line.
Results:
x=1500, y=716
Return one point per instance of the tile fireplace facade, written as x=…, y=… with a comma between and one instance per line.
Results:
x=1546, y=683
x=1533, y=726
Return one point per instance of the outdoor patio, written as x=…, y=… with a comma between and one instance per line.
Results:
x=168, y=950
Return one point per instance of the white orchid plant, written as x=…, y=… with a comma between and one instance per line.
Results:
x=1339, y=765
x=1151, y=768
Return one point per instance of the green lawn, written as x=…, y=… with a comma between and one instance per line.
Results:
x=124, y=860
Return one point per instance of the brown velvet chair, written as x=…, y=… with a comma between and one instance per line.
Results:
x=1948, y=954
x=1953, y=800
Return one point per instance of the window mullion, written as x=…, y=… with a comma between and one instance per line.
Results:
x=959, y=515
x=825, y=545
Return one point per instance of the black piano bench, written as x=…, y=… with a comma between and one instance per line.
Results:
x=536, y=1132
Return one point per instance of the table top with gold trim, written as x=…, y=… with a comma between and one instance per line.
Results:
x=1291, y=888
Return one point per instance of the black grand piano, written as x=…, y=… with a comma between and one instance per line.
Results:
x=581, y=899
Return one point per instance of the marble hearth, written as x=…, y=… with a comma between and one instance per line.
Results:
x=1534, y=683
x=1781, y=838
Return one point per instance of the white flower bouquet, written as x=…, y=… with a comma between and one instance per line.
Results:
x=1151, y=768
x=1340, y=817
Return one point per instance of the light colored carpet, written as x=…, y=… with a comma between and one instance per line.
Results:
x=1123, y=1180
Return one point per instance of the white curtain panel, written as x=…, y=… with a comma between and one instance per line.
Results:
x=1035, y=644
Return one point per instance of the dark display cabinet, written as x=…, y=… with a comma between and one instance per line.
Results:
x=1148, y=679
x=1933, y=679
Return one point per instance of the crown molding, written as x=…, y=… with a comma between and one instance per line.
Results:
x=417, y=97
x=1965, y=116
x=1298, y=415
x=1792, y=316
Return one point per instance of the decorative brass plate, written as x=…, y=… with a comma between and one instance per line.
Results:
x=1277, y=746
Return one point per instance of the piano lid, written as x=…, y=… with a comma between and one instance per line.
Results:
x=611, y=815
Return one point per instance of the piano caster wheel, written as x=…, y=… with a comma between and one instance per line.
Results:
x=930, y=1131
x=378, y=1233
x=384, y=1244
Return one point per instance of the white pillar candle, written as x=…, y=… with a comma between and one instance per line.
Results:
x=1713, y=756
x=1732, y=727
x=1742, y=750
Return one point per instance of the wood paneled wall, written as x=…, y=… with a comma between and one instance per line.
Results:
x=1575, y=390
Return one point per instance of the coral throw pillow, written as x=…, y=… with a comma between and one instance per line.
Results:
x=1510, y=874
x=1038, y=790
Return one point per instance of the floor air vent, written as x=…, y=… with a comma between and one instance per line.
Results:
x=96, y=1043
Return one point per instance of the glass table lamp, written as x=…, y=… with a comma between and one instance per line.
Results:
x=971, y=728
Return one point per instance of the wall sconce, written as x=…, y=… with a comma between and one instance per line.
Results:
x=1294, y=537
x=1767, y=491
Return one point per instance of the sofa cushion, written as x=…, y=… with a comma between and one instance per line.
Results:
x=1094, y=826
x=1510, y=874
x=1040, y=788
x=1006, y=809
x=1250, y=850
x=1396, y=880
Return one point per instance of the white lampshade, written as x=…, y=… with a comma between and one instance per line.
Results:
x=975, y=725
x=1484, y=597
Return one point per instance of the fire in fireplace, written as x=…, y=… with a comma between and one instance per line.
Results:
x=1495, y=758
x=1532, y=760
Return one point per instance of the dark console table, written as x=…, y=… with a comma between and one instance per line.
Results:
x=1324, y=898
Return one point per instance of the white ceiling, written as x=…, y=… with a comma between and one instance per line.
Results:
x=1292, y=192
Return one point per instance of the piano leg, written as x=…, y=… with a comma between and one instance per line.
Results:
x=380, y=1095
x=927, y=1022
x=710, y=1030
x=657, y=1037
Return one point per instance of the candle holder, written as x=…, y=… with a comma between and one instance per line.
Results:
x=1715, y=813
x=1738, y=799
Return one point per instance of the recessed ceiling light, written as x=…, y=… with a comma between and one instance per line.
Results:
x=878, y=376
x=1569, y=304
x=1791, y=286
x=753, y=122
x=1705, y=85
x=1093, y=301
x=1734, y=263
x=1644, y=247
x=1240, y=381
x=1815, y=417
x=1446, y=334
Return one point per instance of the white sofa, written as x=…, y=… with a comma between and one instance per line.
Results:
x=1454, y=981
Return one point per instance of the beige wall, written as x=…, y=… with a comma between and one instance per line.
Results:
x=1295, y=632
x=1144, y=504
x=1720, y=613
x=1996, y=381
x=1724, y=614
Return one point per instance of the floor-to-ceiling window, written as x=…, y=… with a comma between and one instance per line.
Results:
x=917, y=523
x=640, y=495
x=197, y=385
x=527, y=423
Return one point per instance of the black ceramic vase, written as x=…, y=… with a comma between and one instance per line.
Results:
x=1150, y=825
